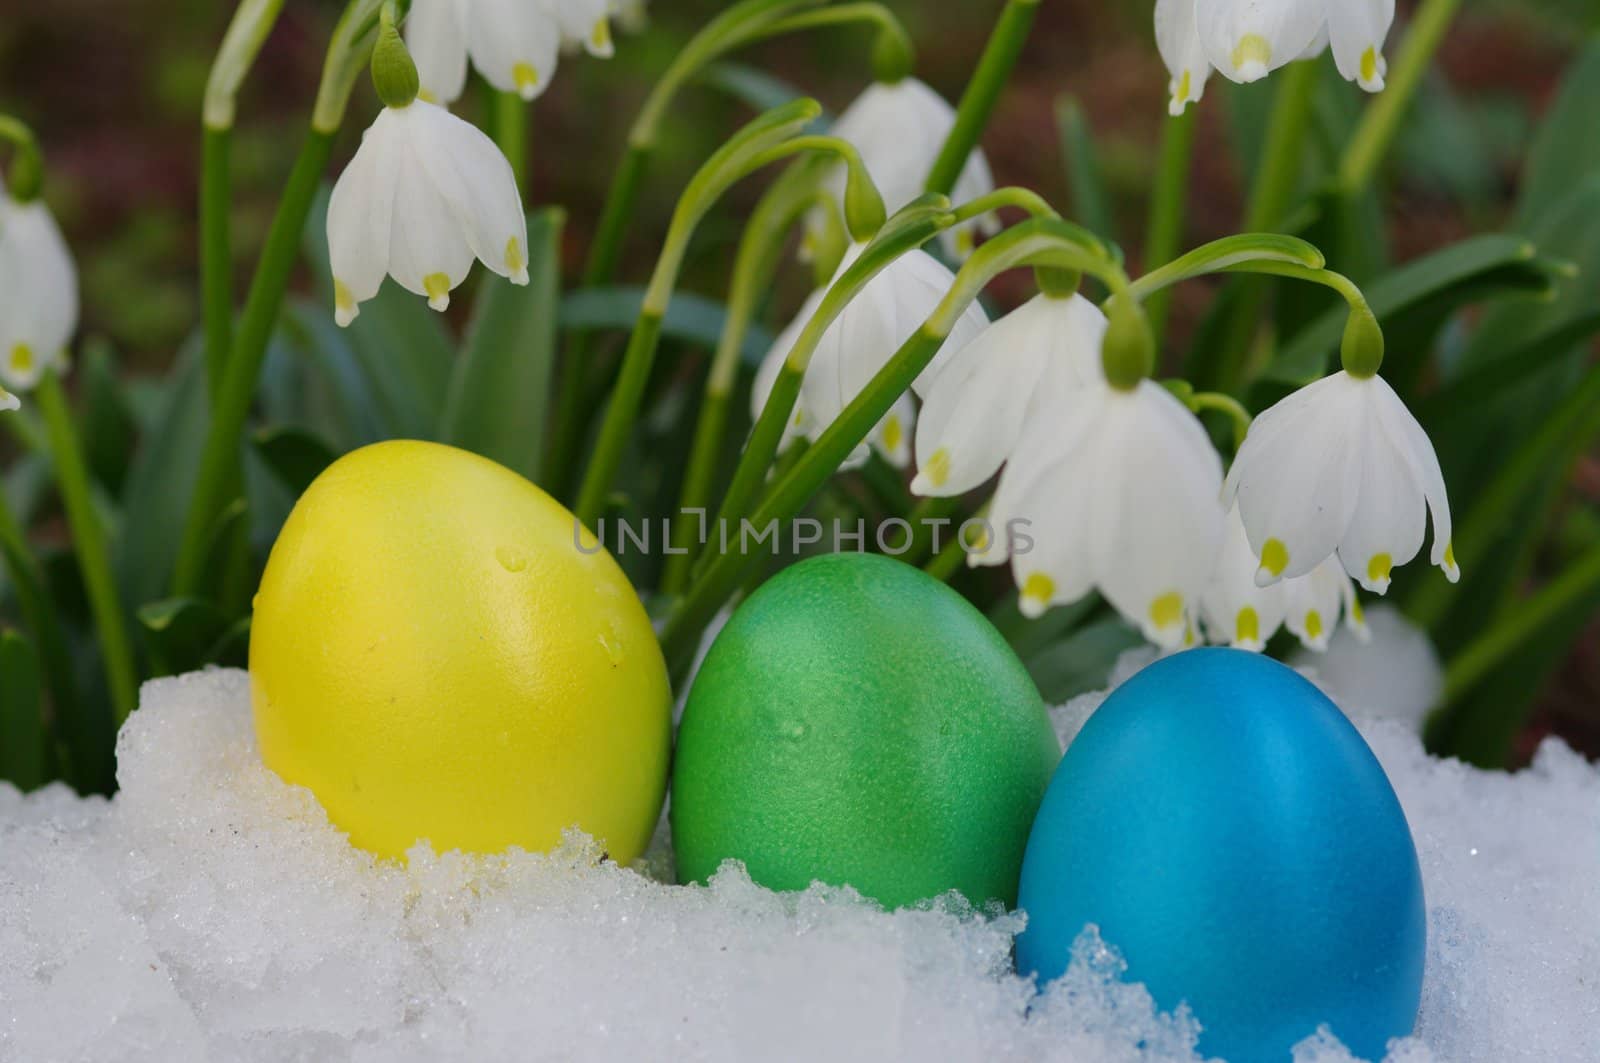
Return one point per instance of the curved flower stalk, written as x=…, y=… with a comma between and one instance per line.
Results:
x=855, y=347
x=1246, y=616
x=1019, y=372
x=1245, y=40
x=1341, y=467
x=900, y=128
x=38, y=293
x=424, y=195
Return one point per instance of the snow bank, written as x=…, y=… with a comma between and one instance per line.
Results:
x=211, y=912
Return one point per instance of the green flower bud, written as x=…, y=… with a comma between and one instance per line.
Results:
x=1058, y=283
x=394, y=74
x=892, y=56
x=1362, y=350
x=1128, y=353
x=864, y=212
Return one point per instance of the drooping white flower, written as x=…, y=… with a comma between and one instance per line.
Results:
x=8, y=401
x=1248, y=39
x=859, y=343
x=1118, y=493
x=424, y=195
x=1017, y=371
x=899, y=129
x=1246, y=616
x=514, y=44
x=38, y=294
x=1340, y=466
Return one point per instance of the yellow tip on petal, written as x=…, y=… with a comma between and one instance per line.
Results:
x=9, y=401
x=22, y=360
x=1037, y=591
x=1274, y=558
x=516, y=261
x=427, y=97
x=1182, y=88
x=937, y=471
x=1378, y=572
x=1452, y=571
x=1314, y=627
x=526, y=78
x=893, y=434
x=1252, y=57
x=1371, y=70
x=600, y=37
x=1247, y=629
x=437, y=285
x=345, y=307
x=1167, y=610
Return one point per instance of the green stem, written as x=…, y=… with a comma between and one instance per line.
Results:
x=511, y=133
x=930, y=514
x=216, y=254
x=754, y=266
x=89, y=546
x=220, y=457
x=1168, y=206
x=1386, y=112
x=769, y=138
x=983, y=92
x=1272, y=194
x=953, y=554
x=1237, y=415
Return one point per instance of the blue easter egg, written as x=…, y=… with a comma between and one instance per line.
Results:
x=1231, y=834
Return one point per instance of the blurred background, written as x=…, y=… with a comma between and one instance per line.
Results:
x=114, y=92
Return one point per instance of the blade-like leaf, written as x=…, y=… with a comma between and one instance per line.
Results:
x=296, y=457
x=23, y=752
x=500, y=393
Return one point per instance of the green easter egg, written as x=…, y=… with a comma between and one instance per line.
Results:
x=859, y=723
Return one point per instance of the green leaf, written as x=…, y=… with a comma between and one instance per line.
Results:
x=23, y=752
x=179, y=632
x=1465, y=396
x=691, y=318
x=756, y=88
x=500, y=394
x=1091, y=205
x=1082, y=662
x=155, y=500
x=1567, y=151
x=1414, y=300
x=295, y=456
x=356, y=412
x=107, y=424
x=1230, y=254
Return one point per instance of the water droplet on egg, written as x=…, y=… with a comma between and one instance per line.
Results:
x=613, y=650
x=511, y=559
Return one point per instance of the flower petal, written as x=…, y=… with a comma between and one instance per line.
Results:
x=361, y=217
x=1181, y=49
x=1357, y=30
x=429, y=252
x=474, y=178
x=515, y=45
x=1236, y=610
x=1417, y=450
x=438, y=46
x=1248, y=39
x=1389, y=520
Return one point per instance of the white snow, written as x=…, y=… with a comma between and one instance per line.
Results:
x=211, y=912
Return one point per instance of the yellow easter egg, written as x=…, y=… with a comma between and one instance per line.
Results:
x=437, y=657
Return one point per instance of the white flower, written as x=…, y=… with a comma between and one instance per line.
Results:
x=899, y=130
x=1016, y=372
x=585, y=22
x=1239, y=612
x=425, y=193
x=38, y=295
x=1248, y=39
x=8, y=401
x=867, y=333
x=1119, y=493
x=1341, y=466
x=513, y=43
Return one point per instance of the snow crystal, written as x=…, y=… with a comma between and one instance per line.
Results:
x=212, y=912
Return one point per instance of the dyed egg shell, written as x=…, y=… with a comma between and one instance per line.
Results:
x=1232, y=835
x=859, y=723
x=435, y=658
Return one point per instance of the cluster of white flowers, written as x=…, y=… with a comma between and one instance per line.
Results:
x=514, y=44
x=1246, y=40
x=1122, y=491
x=38, y=296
